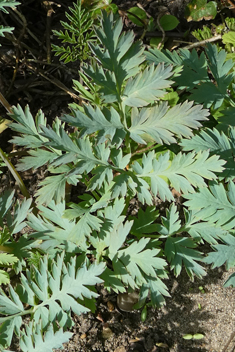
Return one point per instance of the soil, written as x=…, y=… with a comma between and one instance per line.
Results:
x=203, y=306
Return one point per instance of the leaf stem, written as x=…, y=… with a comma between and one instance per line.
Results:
x=25, y=312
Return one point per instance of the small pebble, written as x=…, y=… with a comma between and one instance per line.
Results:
x=107, y=332
x=110, y=306
x=126, y=301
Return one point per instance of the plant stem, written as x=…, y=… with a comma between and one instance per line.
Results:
x=123, y=119
x=128, y=198
x=15, y=174
x=30, y=311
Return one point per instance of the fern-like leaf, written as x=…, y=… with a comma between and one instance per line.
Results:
x=15, y=221
x=183, y=172
x=171, y=223
x=4, y=30
x=180, y=250
x=157, y=56
x=202, y=231
x=214, y=204
x=224, y=253
x=4, y=277
x=28, y=127
x=157, y=290
x=194, y=76
x=53, y=188
x=217, y=143
x=195, y=67
x=51, y=293
x=53, y=226
x=7, y=259
x=107, y=122
x=32, y=339
x=36, y=159
x=230, y=281
x=118, y=55
x=144, y=223
x=130, y=262
x=147, y=86
x=7, y=330
x=7, y=3
x=162, y=123
x=6, y=201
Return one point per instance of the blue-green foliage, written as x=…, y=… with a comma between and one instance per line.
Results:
x=126, y=142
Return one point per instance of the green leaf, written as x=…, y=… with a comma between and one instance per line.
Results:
x=139, y=13
x=202, y=231
x=7, y=329
x=59, y=139
x=194, y=74
x=6, y=200
x=28, y=127
x=53, y=224
x=157, y=56
x=4, y=278
x=7, y=259
x=5, y=29
x=188, y=337
x=106, y=80
x=180, y=251
x=111, y=282
x=129, y=263
x=198, y=336
x=36, y=159
x=119, y=56
x=194, y=69
x=183, y=172
x=171, y=223
x=78, y=33
x=209, y=94
x=10, y=305
x=162, y=123
x=52, y=292
x=147, y=86
x=203, y=34
x=229, y=38
x=80, y=151
x=7, y=3
x=224, y=253
x=230, y=281
x=172, y=98
x=32, y=339
x=169, y=22
x=15, y=221
x=157, y=289
x=144, y=314
x=106, y=122
x=198, y=10
x=144, y=223
x=214, y=204
x=53, y=188
x=220, y=68
x=218, y=143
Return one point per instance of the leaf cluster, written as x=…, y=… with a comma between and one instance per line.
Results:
x=129, y=141
x=4, y=4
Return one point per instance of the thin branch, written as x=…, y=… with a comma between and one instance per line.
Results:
x=203, y=42
x=161, y=29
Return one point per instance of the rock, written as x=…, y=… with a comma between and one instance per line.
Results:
x=126, y=301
